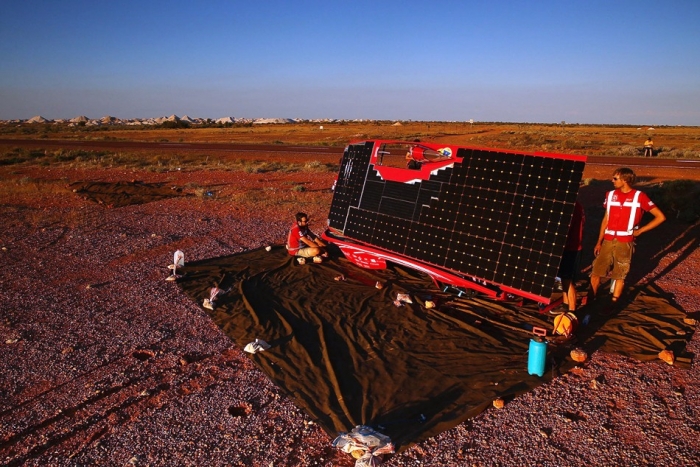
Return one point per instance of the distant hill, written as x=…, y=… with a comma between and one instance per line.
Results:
x=109, y=120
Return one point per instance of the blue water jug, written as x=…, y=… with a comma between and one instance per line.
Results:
x=537, y=357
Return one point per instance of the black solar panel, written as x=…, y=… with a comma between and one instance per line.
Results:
x=496, y=216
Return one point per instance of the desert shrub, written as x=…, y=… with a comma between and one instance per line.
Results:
x=526, y=139
x=37, y=154
x=11, y=160
x=10, y=187
x=677, y=199
x=78, y=155
x=46, y=158
x=313, y=165
x=612, y=143
x=628, y=151
x=65, y=156
x=317, y=166
x=175, y=124
x=569, y=144
x=20, y=155
x=15, y=156
x=258, y=167
x=679, y=153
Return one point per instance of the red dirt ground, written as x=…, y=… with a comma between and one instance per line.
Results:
x=103, y=362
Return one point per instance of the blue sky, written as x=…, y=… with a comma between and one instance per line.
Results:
x=587, y=61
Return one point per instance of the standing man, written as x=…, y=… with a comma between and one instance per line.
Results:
x=570, y=260
x=649, y=147
x=624, y=207
x=302, y=242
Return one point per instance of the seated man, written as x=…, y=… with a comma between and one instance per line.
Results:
x=302, y=242
x=412, y=163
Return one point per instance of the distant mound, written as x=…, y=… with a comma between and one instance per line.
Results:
x=37, y=119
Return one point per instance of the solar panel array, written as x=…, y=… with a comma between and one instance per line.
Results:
x=495, y=216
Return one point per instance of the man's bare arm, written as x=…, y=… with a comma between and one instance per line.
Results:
x=659, y=218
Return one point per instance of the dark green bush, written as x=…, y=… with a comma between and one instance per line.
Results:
x=175, y=124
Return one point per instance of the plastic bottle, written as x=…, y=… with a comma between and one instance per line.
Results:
x=537, y=356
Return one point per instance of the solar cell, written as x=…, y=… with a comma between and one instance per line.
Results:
x=499, y=217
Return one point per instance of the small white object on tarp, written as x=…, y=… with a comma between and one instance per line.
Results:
x=178, y=262
x=404, y=297
x=209, y=302
x=365, y=440
x=256, y=346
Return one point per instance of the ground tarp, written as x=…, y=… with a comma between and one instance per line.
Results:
x=646, y=323
x=349, y=356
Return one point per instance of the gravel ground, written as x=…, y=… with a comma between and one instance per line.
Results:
x=103, y=362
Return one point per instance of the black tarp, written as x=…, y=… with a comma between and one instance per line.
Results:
x=348, y=356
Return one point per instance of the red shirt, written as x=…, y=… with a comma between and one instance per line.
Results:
x=294, y=243
x=624, y=213
x=574, y=239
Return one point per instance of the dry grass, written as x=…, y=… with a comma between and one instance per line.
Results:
x=20, y=194
x=12, y=189
x=575, y=139
x=150, y=160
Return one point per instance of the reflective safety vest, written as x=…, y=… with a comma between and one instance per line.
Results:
x=622, y=217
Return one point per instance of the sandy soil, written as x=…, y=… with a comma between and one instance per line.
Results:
x=575, y=139
x=103, y=362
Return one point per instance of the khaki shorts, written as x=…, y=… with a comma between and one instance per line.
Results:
x=614, y=258
x=306, y=252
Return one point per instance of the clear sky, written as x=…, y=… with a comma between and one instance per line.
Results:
x=584, y=61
